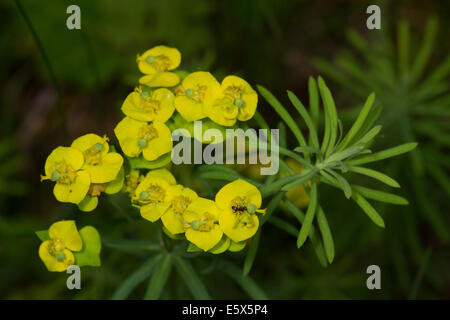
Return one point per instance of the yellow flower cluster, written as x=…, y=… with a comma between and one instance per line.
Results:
x=199, y=95
x=214, y=226
x=84, y=170
x=90, y=166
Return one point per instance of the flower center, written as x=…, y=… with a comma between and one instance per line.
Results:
x=205, y=223
x=243, y=211
x=93, y=155
x=63, y=173
x=96, y=189
x=197, y=93
x=160, y=62
x=180, y=203
x=234, y=93
x=146, y=133
x=153, y=194
x=56, y=246
x=147, y=103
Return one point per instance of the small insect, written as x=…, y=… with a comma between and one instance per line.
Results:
x=238, y=208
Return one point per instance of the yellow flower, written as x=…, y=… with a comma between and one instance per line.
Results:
x=149, y=105
x=152, y=139
x=56, y=253
x=192, y=93
x=237, y=102
x=156, y=63
x=153, y=194
x=201, y=224
x=180, y=199
x=238, y=202
x=102, y=166
x=297, y=195
x=63, y=166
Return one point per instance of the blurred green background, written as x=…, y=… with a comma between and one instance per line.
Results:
x=49, y=73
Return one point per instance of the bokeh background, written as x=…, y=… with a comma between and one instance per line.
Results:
x=57, y=84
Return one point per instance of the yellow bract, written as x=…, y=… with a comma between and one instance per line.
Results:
x=56, y=253
x=148, y=106
x=63, y=166
x=102, y=166
x=238, y=203
x=192, y=94
x=237, y=101
x=201, y=224
x=156, y=63
x=153, y=194
x=136, y=137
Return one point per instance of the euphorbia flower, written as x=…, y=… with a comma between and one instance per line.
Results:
x=156, y=63
x=56, y=253
x=151, y=139
x=153, y=195
x=181, y=197
x=237, y=102
x=192, y=93
x=63, y=166
x=102, y=165
x=238, y=202
x=144, y=105
x=201, y=224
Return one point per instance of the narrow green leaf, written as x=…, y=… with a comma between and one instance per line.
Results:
x=191, y=279
x=388, y=153
x=245, y=282
x=358, y=123
x=305, y=115
x=344, y=154
x=376, y=175
x=306, y=226
x=282, y=112
x=439, y=73
x=317, y=244
x=308, y=150
x=251, y=254
x=372, y=133
x=326, y=234
x=403, y=46
x=380, y=195
x=159, y=279
x=278, y=184
x=125, y=288
x=426, y=49
x=301, y=179
x=345, y=186
x=368, y=209
x=330, y=118
x=273, y=204
x=370, y=120
x=313, y=101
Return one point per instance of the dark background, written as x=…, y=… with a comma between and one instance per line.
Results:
x=57, y=84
